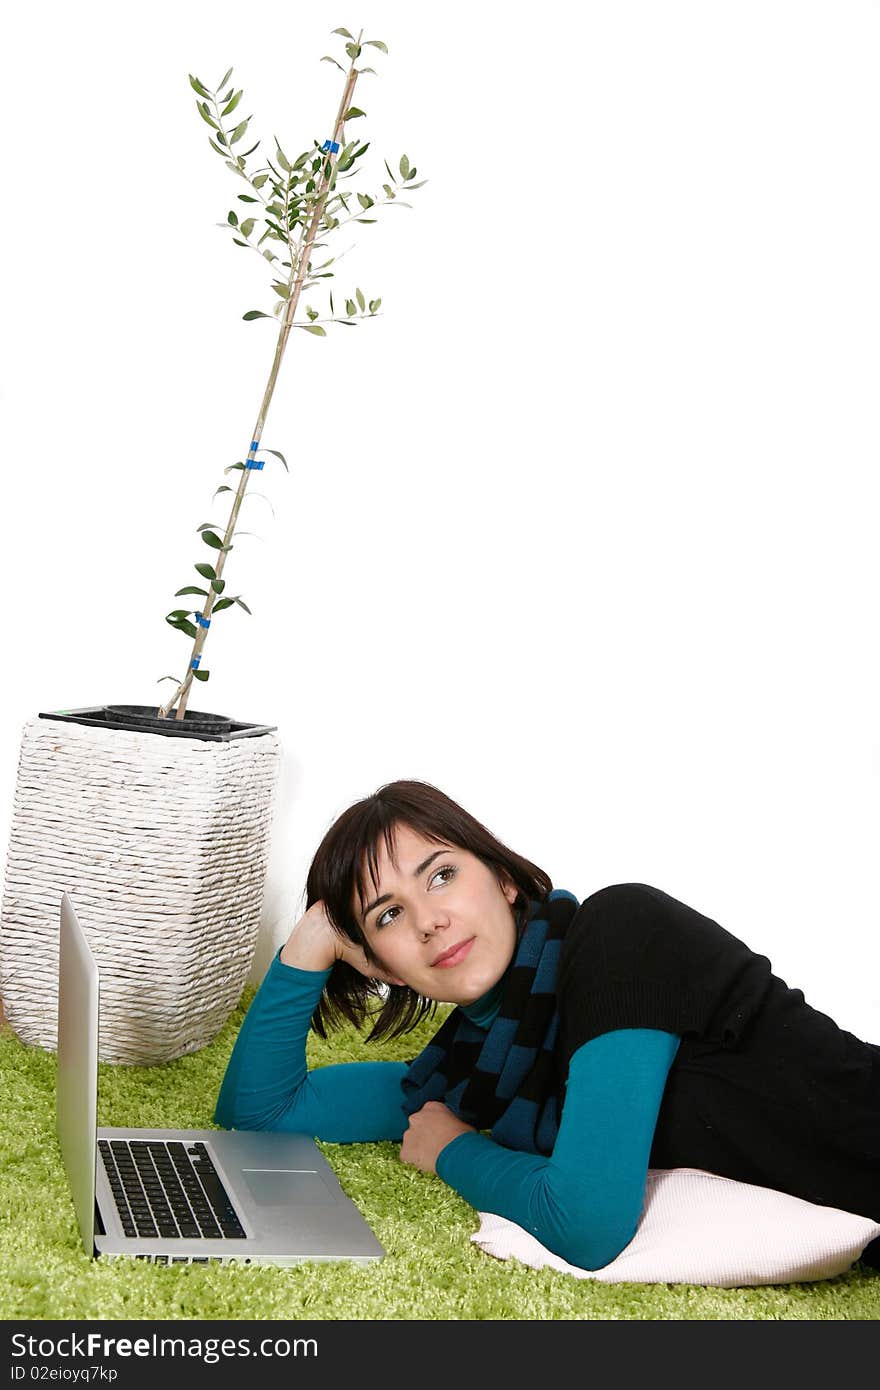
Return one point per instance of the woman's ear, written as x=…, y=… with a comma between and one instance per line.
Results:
x=509, y=889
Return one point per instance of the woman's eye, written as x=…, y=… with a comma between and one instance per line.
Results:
x=381, y=920
x=447, y=869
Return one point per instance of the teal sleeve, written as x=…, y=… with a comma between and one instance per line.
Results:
x=267, y=1084
x=584, y=1201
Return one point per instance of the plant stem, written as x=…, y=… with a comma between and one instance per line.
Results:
x=300, y=266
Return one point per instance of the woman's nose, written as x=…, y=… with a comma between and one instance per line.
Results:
x=430, y=921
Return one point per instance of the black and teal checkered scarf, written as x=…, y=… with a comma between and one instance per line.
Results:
x=505, y=1079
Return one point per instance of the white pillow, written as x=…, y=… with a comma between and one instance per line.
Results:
x=699, y=1228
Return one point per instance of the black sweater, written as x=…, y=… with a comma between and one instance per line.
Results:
x=764, y=1088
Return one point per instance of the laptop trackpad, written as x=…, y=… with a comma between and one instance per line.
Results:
x=278, y=1187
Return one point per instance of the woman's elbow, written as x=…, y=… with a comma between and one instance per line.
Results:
x=593, y=1244
x=231, y=1115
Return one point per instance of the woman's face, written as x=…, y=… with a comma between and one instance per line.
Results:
x=439, y=921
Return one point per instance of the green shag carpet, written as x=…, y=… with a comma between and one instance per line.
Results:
x=432, y=1270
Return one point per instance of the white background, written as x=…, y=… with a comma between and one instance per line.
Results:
x=582, y=529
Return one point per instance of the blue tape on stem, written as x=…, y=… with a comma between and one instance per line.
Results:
x=255, y=444
x=202, y=622
x=195, y=663
x=252, y=463
x=331, y=145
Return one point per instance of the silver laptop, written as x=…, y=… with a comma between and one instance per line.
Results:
x=187, y=1195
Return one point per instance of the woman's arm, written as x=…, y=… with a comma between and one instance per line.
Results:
x=267, y=1084
x=584, y=1201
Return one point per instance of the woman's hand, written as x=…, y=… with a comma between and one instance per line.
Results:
x=430, y=1130
x=314, y=944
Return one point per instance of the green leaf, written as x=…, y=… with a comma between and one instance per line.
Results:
x=352, y=113
x=236, y=242
x=282, y=159
x=404, y=166
x=201, y=675
x=374, y=43
x=207, y=571
x=344, y=32
x=252, y=314
x=212, y=539
x=202, y=107
x=218, y=585
x=246, y=198
x=221, y=604
x=374, y=304
x=360, y=299
x=350, y=308
x=333, y=60
x=207, y=526
x=312, y=313
x=277, y=455
x=228, y=109
x=244, y=156
x=312, y=328
x=224, y=488
x=239, y=131
x=221, y=85
x=247, y=226
x=190, y=589
x=197, y=86
x=282, y=290
x=178, y=613
x=182, y=625
x=353, y=51
x=390, y=175
x=232, y=218
x=410, y=186
x=238, y=465
x=259, y=179
x=241, y=603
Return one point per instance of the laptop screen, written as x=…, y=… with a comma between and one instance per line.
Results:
x=76, y=1092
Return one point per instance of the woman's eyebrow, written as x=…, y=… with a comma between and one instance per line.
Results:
x=417, y=872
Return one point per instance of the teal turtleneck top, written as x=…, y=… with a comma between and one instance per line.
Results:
x=583, y=1202
x=484, y=1010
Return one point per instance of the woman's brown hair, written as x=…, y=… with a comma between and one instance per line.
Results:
x=349, y=851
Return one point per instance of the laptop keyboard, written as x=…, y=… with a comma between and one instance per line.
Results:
x=168, y=1188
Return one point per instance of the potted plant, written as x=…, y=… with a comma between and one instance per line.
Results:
x=155, y=819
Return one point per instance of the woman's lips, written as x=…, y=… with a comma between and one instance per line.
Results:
x=455, y=955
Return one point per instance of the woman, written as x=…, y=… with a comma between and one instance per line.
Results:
x=592, y=1041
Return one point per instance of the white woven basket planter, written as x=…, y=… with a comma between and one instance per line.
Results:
x=162, y=844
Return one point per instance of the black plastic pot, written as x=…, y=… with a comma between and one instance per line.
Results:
x=147, y=717
x=194, y=723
